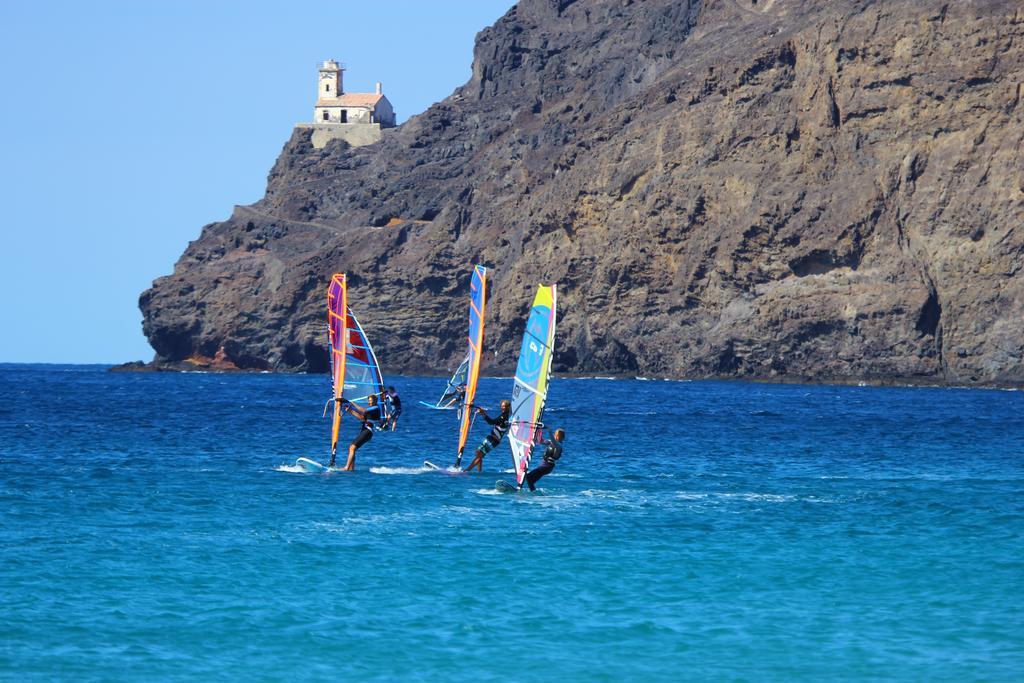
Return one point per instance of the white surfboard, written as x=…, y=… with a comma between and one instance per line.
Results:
x=311, y=465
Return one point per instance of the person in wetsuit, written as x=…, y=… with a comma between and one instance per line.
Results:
x=453, y=397
x=500, y=426
x=370, y=416
x=551, y=455
x=395, y=407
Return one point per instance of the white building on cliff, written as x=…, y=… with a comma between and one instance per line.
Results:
x=356, y=118
x=334, y=105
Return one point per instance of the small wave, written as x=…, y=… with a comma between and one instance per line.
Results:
x=767, y=497
x=462, y=510
x=291, y=468
x=400, y=470
x=605, y=493
x=489, y=492
x=746, y=496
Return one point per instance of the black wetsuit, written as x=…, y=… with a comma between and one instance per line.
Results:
x=551, y=455
x=370, y=416
x=396, y=408
x=501, y=426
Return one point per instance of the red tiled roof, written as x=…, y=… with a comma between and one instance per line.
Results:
x=351, y=99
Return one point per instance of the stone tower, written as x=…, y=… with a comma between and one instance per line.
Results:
x=330, y=81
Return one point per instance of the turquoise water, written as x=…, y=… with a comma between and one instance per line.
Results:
x=151, y=530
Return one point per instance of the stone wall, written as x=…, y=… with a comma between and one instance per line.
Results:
x=355, y=134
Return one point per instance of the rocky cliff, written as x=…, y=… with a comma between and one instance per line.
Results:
x=745, y=188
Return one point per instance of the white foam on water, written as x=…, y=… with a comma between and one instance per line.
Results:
x=816, y=499
x=747, y=496
x=489, y=492
x=299, y=469
x=400, y=470
x=462, y=509
x=767, y=497
x=605, y=493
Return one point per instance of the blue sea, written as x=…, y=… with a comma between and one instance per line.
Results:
x=153, y=527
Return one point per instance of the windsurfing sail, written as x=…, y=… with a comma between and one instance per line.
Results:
x=452, y=396
x=474, y=350
x=531, y=384
x=355, y=373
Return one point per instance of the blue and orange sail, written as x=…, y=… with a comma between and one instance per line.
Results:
x=474, y=351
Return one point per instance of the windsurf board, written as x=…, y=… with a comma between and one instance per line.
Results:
x=312, y=465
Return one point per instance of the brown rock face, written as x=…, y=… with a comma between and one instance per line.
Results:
x=759, y=188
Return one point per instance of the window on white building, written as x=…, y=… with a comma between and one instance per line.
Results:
x=344, y=116
x=327, y=115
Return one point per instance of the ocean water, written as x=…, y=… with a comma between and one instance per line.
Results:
x=152, y=528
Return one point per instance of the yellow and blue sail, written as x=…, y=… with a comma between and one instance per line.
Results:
x=531, y=382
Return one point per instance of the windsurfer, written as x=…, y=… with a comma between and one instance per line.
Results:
x=393, y=407
x=369, y=416
x=500, y=426
x=453, y=397
x=551, y=455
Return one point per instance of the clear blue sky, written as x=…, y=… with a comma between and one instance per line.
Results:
x=127, y=126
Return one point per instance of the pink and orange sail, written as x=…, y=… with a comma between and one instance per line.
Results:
x=355, y=373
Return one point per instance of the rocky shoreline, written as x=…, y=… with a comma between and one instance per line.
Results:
x=751, y=190
x=907, y=382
